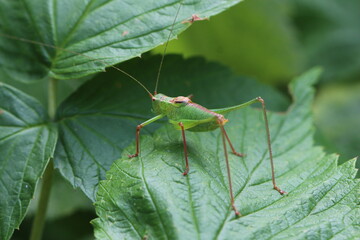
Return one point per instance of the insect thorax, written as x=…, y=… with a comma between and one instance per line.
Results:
x=181, y=108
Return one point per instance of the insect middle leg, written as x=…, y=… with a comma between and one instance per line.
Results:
x=185, y=149
x=231, y=146
x=224, y=138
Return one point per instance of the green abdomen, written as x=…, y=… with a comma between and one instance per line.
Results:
x=204, y=127
x=193, y=111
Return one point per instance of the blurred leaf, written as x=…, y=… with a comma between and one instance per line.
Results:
x=255, y=38
x=27, y=141
x=64, y=199
x=38, y=89
x=337, y=116
x=98, y=121
x=330, y=33
x=274, y=40
x=124, y=29
x=147, y=197
x=76, y=226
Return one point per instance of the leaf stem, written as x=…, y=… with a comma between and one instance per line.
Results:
x=40, y=215
x=52, y=90
x=39, y=221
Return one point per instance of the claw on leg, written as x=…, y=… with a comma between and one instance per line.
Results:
x=282, y=192
x=237, y=213
x=133, y=155
x=239, y=154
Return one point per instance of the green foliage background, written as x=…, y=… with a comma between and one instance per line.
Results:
x=257, y=46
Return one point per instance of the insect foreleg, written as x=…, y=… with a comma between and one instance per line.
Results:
x=185, y=149
x=138, y=128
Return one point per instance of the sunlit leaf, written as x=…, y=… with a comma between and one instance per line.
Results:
x=104, y=32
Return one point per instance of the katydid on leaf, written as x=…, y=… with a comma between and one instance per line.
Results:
x=184, y=114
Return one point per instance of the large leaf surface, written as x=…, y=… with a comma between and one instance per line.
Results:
x=105, y=32
x=27, y=142
x=330, y=35
x=98, y=121
x=147, y=197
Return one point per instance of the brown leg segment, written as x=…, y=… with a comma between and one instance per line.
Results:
x=269, y=147
x=223, y=134
x=137, y=141
x=231, y=146
x=140, y=126
x=185, y=149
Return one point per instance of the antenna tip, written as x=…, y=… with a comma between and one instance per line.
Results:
x=124, y=33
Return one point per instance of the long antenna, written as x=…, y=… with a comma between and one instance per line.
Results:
x=166, y=44
x=76, y=53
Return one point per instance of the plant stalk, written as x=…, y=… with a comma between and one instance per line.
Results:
x=52, y=90
x=40, y=215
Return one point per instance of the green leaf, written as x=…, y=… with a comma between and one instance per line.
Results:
x=124, y=29
x=337, y=115
x=330, y=36
x=27, y=141
x=254, y=38
x=99, y=120
x=147, y=197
